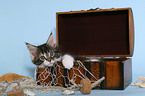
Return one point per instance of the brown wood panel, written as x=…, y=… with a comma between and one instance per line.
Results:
x=76, y=72
x=95, y=70
x=44, y=75
x=60, y=74
x=131, y=32
x=127, y=72
x=114, y=75
x=41, y=76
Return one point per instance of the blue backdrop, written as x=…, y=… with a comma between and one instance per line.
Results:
x=32, y=21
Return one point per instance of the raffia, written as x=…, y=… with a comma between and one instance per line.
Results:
x=32, y=85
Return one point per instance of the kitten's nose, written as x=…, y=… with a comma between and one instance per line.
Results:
x=49, y=59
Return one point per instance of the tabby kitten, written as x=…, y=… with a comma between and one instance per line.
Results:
x=45, y=55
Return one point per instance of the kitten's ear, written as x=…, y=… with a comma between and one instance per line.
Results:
x=51, y=41
x=32, y=49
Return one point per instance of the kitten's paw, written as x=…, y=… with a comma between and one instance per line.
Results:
x=68, y=61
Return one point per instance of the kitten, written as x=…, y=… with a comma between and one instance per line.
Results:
x=46, y=54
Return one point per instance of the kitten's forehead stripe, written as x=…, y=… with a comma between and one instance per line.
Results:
x=43, y=48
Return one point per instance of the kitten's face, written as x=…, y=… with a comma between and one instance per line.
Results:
x=46, y=54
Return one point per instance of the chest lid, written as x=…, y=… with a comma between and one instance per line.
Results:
x=96, y=33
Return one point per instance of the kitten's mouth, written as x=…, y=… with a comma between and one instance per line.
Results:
x=48, y=64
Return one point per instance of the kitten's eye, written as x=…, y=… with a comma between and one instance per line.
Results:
x=42, y=58
x=39, y=62
x=49, y=59
x=51, y=54
x=57, y=55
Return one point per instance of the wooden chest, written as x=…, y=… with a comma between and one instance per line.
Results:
x=107, y=34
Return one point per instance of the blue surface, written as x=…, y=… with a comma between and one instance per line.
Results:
x=32, y=21
x=130, y=91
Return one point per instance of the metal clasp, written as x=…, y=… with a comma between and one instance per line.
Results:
x=94, y=9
